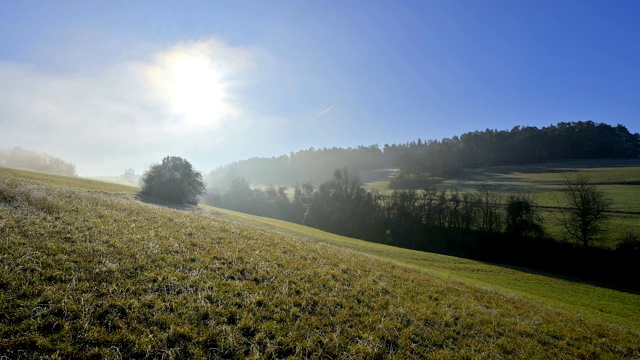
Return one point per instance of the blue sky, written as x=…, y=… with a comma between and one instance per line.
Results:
x=112, y=85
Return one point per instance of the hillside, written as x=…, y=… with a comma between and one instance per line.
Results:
x=89, y=271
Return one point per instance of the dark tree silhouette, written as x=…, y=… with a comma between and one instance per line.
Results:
x=488, y=200
x=522, y=218
x=341, y=205
x=585, y=210
x=173, y=180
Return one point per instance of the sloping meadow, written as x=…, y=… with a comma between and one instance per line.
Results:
x=95, y=274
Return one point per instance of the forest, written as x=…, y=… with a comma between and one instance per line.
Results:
x=422, y=160
x=21, y=158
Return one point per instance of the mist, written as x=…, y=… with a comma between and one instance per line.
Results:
x=178, y=100
x=26, y=159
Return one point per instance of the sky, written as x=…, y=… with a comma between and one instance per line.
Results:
x=112, y=85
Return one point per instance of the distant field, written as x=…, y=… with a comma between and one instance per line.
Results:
x=547, y=178
x=88, y=271
x=620, y=178
x=77, y=182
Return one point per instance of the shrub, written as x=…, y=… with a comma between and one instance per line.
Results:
x=522, y=217
x=173, y=180
x=629, y=243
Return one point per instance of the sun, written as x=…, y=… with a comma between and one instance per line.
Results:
x=194, y=86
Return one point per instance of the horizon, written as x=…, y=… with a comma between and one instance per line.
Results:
x=292, y=154
x=114, y=86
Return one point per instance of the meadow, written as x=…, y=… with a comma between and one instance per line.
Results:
x=88, y=270
x=619, y=178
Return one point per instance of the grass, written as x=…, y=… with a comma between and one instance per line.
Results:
x=620, y=308
x=88, y=271
x=75, y=182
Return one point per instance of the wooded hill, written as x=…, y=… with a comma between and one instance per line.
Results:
x=439, y=158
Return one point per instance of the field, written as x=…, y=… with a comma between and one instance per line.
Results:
x=620, y=179
x=88, y=270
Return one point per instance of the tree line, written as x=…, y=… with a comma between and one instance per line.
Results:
x=521, y=145
x=420, y=161
x=343, y=206
x=310, y=165
x=26, y=159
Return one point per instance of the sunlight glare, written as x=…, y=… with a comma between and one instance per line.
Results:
x=194, y=85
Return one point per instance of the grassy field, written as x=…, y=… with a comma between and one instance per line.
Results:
x=586, y=300
x=75, y=182
x=619, y=178
x=89, y=271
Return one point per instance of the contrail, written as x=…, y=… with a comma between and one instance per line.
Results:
x=330, y=107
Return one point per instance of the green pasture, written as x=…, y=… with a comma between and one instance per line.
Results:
x=538, y=177
x=548, y=177
x=587, y=300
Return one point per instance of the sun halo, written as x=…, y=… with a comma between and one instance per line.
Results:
x=195, y=88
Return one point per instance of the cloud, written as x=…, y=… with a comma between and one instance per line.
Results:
x=178, y=100
x=315, y=117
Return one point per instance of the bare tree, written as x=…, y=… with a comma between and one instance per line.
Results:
x=489, y=208
x=586, y=208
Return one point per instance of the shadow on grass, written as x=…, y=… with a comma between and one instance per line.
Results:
x=167, y=204
x=546, y=256
x=631, y=288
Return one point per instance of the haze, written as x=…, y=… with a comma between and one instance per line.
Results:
x=115, y=85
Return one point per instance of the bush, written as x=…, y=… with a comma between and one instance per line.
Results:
x=522, y=217
x=173, y=180
x=629, y=243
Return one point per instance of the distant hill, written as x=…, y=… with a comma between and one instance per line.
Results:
x=440, y=158
x=27, y=159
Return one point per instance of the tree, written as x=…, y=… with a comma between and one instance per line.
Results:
x=27, y=159
x=238, y=196
x=129, y=176
x=488, y=201
x=173, y=180
x=342, y=205
x=521, y=216
x=586, y=208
